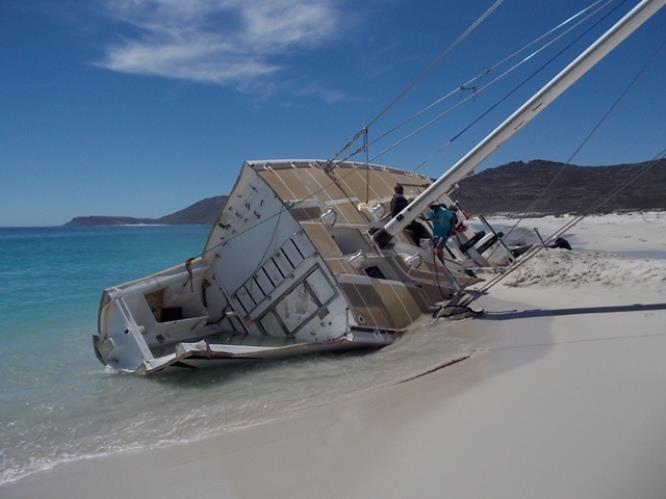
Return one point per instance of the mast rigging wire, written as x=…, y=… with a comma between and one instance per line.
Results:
x=468, y=85
x=505, y=97
x=424, y=74
x=476, y=91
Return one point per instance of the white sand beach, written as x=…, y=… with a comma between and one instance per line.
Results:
x=635, y=234
x=563, y=396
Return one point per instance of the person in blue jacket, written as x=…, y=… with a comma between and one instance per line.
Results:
x=444, y=223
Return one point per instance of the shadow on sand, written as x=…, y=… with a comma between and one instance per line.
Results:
x=527, y=314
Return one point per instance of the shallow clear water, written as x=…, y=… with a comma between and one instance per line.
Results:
x=57, y=402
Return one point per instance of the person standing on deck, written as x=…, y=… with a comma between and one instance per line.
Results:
x=443, y=225
x=399, y=202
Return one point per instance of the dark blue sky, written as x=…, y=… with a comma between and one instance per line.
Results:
x=141, y=107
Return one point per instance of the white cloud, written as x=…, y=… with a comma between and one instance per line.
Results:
x=223, y=42
x=329, y=95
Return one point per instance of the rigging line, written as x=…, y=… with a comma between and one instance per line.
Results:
x=432, y=156
x=492, y=68
x=572, y=223
x=438, y=60
x=506, y=96
x=367, y=164
x=594, y=129
x=424, y=74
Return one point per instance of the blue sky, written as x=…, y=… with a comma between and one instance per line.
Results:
x=141, y=107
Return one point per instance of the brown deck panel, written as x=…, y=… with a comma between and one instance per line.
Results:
x=304, y=179
x=382, y=183
x=420, y=299
x=336, y=266
x=322, y=177
x=325, y=189
x=340, y=266
x=348, y=211
x=301, y=186
x=327, y=193
x=365, y=301
x=271, y=177
x=351, y=213
x=399, y=303
x=321, y=238
x=410, y=302
x=352, y=183
x=305, y=214
x=377, y=188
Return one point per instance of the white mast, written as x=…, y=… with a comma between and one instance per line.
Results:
x=528, y=111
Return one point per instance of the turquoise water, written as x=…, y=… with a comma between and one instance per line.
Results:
x=58, y=403
x=51, y=283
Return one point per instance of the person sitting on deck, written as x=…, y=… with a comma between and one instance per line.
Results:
x=399, y=201
x=444, y=223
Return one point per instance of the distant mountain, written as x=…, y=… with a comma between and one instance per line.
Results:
x=95, y=221
x=520, y=187
x=202, y=212
x=510, y=188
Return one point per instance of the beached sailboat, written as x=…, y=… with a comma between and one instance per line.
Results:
x=306, y=257
x=289, y=268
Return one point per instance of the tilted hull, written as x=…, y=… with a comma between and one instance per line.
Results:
x=288, y=269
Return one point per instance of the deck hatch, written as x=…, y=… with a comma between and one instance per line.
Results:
x=350, y=240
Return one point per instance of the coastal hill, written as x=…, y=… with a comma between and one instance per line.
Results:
x=203, y=212
x=519, y=187
x=510, y=188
